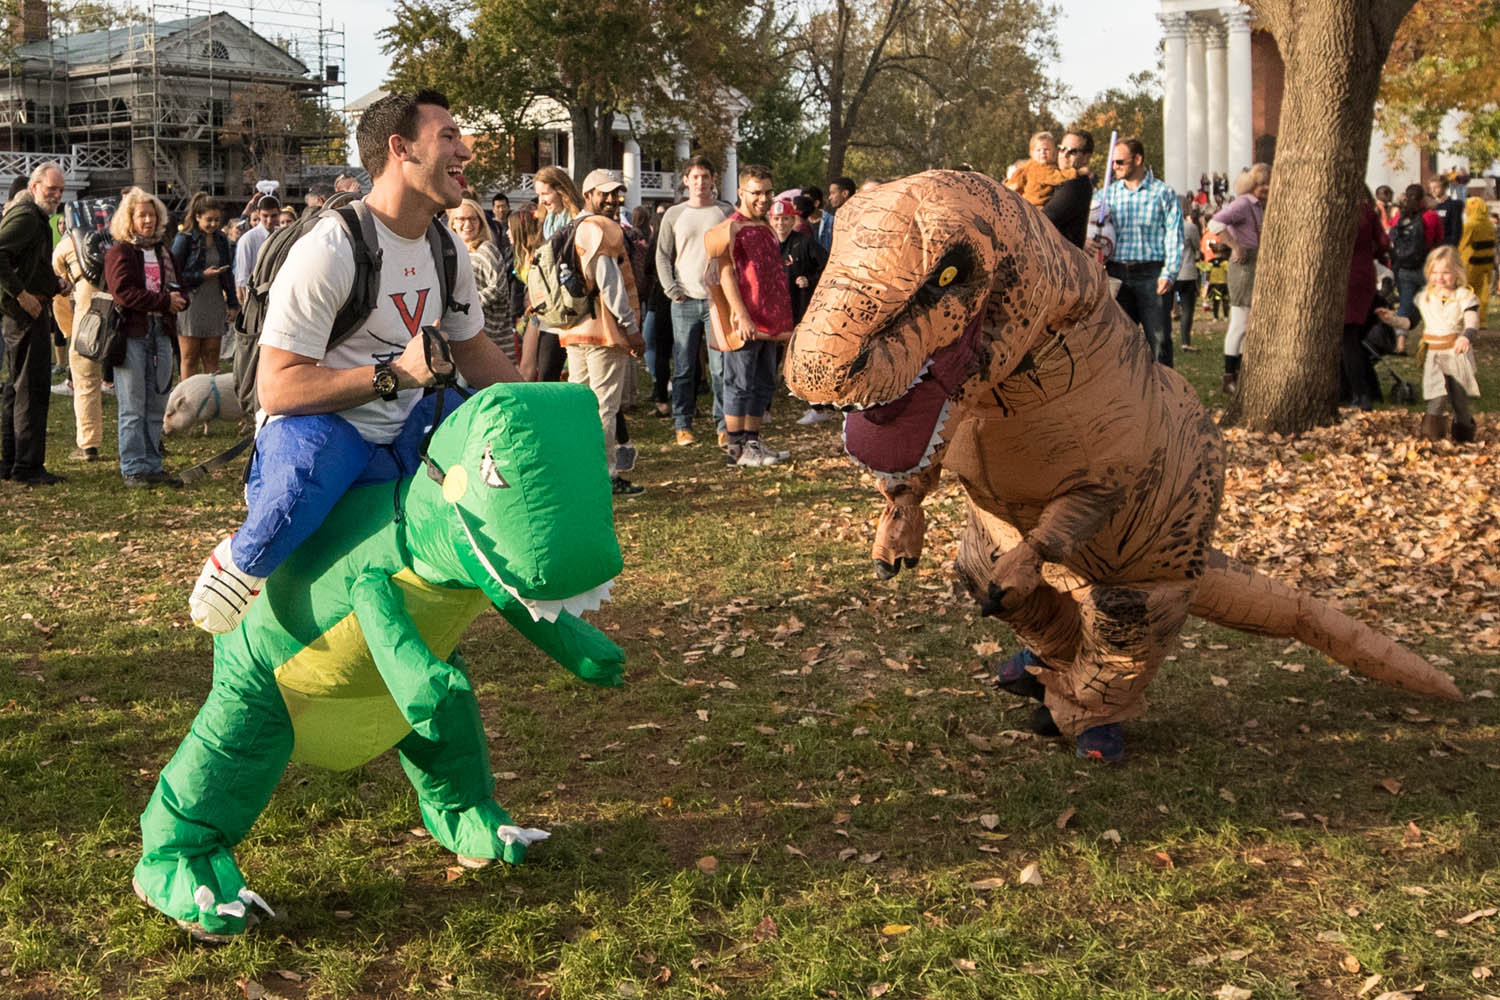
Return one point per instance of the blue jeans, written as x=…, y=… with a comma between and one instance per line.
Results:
x=304, y=465
x=656, y=331
x=1409, y=282
x=142, y=383
x=688, y=321
x=1145, y=305
x=716, y=382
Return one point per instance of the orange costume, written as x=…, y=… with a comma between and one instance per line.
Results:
x=1035, y=181
x=961, y=331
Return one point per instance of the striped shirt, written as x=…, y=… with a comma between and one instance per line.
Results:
x=1148, y=223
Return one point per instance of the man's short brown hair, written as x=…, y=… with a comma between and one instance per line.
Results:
x=699, y=163
x=393, y=114
x=754, y=172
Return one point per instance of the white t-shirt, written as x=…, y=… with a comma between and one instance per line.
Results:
x=152, y=268
x=314, y=282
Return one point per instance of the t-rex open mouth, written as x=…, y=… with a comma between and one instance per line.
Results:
x=898, y=438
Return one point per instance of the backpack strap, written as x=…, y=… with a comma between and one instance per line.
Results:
x=364, y=294
x=445, y=259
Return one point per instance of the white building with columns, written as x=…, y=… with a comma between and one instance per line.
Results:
x=646, y=180
x=1221, y=102
x=1221, y=95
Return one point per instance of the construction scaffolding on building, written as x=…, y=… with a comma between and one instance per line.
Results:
x=187, y=95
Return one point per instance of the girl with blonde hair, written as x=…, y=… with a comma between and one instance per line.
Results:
x=1449, y=313
x=557, y=195
x=469, y=224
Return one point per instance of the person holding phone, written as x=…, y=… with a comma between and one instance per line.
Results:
x=206, y=269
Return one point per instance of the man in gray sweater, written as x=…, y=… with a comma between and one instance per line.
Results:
x=681, y=267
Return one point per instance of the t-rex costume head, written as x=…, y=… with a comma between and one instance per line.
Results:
x=960, y=331
x=897, y=329
x=351, y=650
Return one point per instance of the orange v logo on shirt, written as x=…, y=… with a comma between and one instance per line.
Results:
x=413, y=320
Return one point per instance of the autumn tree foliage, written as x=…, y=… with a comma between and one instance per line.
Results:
x=1131, y=110
x=670, y=62
x=1334, y=51
x=1444, y=60
x=914, y=84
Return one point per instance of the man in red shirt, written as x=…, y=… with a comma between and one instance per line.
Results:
x=751, y=312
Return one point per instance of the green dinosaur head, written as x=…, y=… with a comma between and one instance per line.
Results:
x=524, y=504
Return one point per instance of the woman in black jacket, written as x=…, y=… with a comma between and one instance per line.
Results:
x=206, y=268
x=140, y=276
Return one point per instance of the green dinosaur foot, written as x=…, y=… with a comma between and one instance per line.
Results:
x=480, y=834
x=205, y=894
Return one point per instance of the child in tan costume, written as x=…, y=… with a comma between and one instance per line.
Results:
x=1035, y=179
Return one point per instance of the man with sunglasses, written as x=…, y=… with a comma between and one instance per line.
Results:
x=1068, y=207
x=1148, y=244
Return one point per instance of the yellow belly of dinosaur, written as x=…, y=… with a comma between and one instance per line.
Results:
x=342, y=714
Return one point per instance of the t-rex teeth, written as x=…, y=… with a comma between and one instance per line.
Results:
x=589, y=600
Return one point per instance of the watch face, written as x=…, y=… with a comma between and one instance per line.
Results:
x=385, y=382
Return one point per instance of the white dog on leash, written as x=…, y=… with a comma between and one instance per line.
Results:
x=200, y=399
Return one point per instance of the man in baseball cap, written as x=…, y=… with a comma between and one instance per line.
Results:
x=600, y=348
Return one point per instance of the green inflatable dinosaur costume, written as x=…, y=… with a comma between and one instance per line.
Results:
x=351, y=650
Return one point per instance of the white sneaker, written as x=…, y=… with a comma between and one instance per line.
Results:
x=63, y=389
x=223, y=593
x=624, y=457
x=755, y=455
x=815, y=417
x=780, y=456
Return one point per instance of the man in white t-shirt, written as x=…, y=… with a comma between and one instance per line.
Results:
x=354, y=414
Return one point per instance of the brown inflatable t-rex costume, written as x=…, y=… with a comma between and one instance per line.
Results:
x=965, y=333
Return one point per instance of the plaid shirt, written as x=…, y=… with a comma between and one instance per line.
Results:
x=1148, y=223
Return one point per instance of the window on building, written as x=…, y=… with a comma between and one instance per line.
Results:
x=215, y=50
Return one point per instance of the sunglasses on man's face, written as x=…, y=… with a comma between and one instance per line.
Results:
x=1121, y=163
x=1071, y=152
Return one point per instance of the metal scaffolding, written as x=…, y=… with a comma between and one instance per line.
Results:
x=163, y=98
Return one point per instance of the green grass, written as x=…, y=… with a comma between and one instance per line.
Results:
x=1246, y=841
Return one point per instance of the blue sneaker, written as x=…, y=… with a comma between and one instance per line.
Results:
x=1011, y=675
x=1106, y=743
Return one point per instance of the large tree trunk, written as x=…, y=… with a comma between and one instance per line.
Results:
x=1333, y=51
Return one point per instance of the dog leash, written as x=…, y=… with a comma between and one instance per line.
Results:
x=220, y=460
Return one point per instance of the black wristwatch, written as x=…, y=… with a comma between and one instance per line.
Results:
x=385, y=381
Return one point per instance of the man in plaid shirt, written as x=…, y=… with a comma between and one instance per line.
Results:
x=1148, y=244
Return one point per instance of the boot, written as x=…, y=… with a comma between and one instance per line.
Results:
x=1463, y=433
x=1434, y=426
x=1231, y=384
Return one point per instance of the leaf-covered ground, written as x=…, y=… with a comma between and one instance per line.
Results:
x=806, y=787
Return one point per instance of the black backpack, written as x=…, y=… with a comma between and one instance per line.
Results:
x=363, y=294
x=1409, y=243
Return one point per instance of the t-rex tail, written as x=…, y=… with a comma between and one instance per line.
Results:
x=1235, y=595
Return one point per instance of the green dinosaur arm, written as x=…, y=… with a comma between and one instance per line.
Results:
x=572, y=642
x=419, y=682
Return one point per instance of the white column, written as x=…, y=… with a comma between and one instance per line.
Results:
x=683, y=150
x=1197, y=107
x=729, y=184
x=631, y=172
x=1241, y=141
x=1174, y=100
x=1218, y=108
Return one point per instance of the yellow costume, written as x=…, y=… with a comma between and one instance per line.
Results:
x=1477, y=248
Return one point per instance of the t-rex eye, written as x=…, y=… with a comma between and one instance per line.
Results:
x=946, y=278
x=489, y=473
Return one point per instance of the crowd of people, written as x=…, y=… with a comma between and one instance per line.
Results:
x=704, y=292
